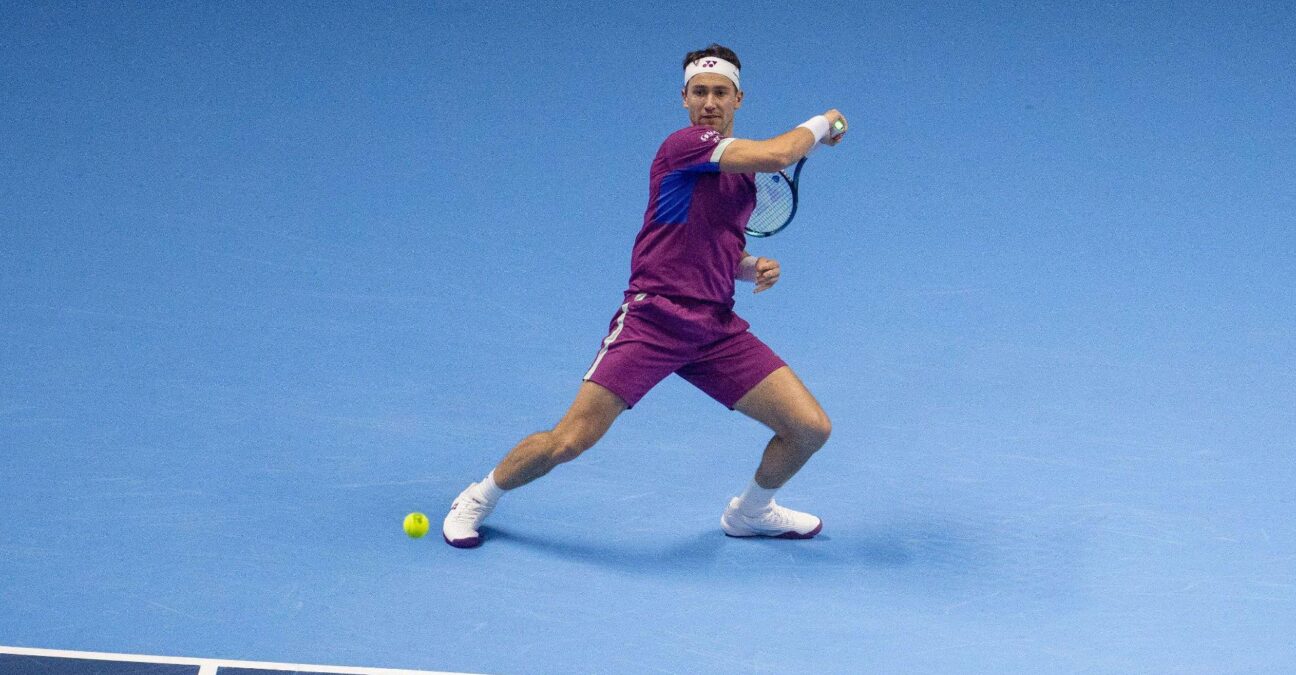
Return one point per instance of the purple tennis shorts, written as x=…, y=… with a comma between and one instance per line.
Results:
x=652, y=336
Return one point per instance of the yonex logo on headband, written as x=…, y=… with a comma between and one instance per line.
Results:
x=715, y=65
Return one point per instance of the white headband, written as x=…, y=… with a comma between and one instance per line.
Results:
x=712, y=64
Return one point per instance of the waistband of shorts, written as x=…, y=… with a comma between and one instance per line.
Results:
x=690, y=303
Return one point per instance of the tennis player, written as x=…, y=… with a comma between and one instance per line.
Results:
x=677, y=315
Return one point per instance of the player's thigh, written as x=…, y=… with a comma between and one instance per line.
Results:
x=645, y=344
x=590, y=415
x=728, y=369
x=784, y=404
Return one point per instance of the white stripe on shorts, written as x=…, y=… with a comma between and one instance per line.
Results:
x=616, y=332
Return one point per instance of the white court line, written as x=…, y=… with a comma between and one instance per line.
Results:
x=210, y=666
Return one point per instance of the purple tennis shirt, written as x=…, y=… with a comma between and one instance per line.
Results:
x=678, y=314
x=692, y=238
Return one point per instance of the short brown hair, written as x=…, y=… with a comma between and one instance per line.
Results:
x=716, y=50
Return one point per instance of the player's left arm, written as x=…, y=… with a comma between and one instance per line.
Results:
x=764, y=272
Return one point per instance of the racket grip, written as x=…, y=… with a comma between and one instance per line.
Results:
x=838, y=129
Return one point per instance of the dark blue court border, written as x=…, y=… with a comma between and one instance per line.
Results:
x=20, y=664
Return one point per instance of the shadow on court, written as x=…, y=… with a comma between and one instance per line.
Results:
x=939, y=560
x=697, y=552
x=710, y=549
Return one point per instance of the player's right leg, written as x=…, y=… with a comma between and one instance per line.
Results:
x=589, y=417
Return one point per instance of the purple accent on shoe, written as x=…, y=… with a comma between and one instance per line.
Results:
x=796, y=535
x=472, y=542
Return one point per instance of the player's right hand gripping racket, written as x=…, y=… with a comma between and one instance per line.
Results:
x=776, y=199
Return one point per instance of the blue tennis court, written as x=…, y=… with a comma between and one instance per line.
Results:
x=274, y=276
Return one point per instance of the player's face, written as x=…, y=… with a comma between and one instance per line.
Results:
x=711, y=99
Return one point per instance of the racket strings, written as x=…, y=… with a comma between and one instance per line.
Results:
x=775, y=203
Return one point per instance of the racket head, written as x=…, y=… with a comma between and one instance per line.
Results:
x=776, y=202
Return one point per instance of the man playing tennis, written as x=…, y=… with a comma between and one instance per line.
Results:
x=678, y=315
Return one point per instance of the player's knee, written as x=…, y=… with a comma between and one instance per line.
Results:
x=823, y=428
x=812, y=431
x=570, y=443
x=566, y=451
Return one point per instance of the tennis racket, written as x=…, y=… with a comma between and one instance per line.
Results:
x=776, y=198
x=776, y=202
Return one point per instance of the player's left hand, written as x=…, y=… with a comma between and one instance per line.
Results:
x=767, y=274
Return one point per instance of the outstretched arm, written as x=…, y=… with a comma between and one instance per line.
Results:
x=749, y=156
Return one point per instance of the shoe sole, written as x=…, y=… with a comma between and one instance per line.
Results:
x=791, y=534
x=471, y=542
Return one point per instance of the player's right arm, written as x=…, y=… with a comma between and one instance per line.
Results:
x=749, y=156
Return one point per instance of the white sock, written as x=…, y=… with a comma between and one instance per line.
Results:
x=488, y=490
x=755, y=498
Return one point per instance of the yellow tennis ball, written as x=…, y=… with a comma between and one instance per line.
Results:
x=416, y=525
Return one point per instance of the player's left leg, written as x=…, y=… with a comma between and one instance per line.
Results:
x=744, y=374
x=782, y=403
x=800, y=425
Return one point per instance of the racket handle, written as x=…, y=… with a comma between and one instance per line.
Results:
x=838, y=128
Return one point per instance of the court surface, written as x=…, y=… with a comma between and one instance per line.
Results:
x=275, y=276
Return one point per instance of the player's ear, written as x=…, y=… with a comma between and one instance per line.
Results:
x=684, y=96
x=738, y=100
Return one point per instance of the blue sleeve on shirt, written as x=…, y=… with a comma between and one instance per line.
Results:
x=688, y=153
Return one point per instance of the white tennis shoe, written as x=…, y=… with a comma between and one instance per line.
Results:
x=773, y=520
x=459, y=529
